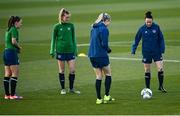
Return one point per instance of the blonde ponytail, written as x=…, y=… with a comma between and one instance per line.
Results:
x=60, y=15
x=99, y=19
x=62, y=12
x=102, y=17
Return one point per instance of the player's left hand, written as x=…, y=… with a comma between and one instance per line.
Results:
x=109, y=50
x=18, y=49
x=133, y=53
x=52, y=55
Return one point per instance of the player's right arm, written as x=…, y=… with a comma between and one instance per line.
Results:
x=136, y=41
x=53, y=41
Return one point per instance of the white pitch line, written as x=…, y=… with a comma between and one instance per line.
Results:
x=135, y=59
x=79, y=45
x=113, y=43
x=110, y=43
x=128, y=43
x=138, y=59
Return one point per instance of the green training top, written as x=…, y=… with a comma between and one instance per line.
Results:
x=63, y=39
x=12, y=33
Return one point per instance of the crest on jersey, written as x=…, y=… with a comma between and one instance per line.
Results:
x=61, y=29
x=69, y=28
x=154, y=31
x=146, y=32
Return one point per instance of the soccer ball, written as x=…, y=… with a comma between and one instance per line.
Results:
x=146, y=93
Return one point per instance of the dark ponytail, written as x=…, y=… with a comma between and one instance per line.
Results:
x=148, y=14
x=12, y=21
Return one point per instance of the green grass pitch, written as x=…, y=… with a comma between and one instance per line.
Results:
x=38, y=82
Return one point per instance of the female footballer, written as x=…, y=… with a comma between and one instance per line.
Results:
x=98, y=54
x=63, y=45
x=153, y=47
x=10, y=57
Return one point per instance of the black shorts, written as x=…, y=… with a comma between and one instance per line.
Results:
x=99, y=62
x=10, y=57
x=148, y=57
x=65, y=56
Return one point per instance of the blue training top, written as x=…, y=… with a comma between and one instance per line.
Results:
x=99, y=41
x=152, y=40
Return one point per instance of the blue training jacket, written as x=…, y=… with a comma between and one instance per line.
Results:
x=152, y=40
x=99, y=41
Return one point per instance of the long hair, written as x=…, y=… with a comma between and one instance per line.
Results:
x=62, y=12
x=103, y=17
x=12, y=21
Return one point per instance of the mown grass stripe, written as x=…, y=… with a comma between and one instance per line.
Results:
x=94, y=8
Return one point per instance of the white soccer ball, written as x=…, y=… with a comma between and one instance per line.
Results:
x=146, y=93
